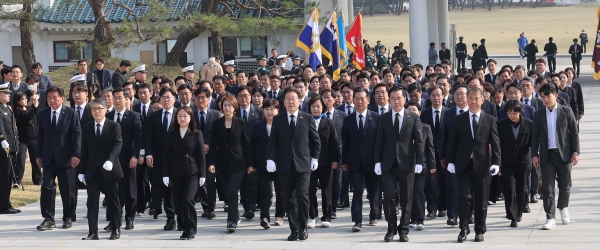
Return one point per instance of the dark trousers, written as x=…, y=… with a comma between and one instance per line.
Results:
x=36, y=171
x=552, y=63
x=451, y=195
x=583, y=46
x=127, y=194
x=208, y=192
x=266, y=181
x=494, y=189
x=336, y=186
x=460, y=61
x=6, y=175
x=184, y=192
x=232, y=181
x=576, y=65
x=250, y=190
x=295, y=191
x=530, y=63
x=159, y=192
x=323, y=176
x=360, y=179
x=514, y=179
x=477, y=187
x=65, y=176
x=418, y=202
x=111, y=194
x=535, y=180
x=392, y=179
x=555, y=166
x=144, y=194
x=221, y=190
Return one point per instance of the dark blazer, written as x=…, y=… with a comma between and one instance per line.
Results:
x=86, y=117
x=62, y=143
x=131, y=128
x=258, y=145
x=535, y=102
x=461, y=144
x=278, y=97
x=579, y=92
x=230, y=153
x=449, y=103
x=118, y=79
x=488, y=78
x=27, y=122
x=255, y=114
x=213, y=104
x=184, y=157
x=95, y=151
x=22, y=88
x=444, y=54
x=528, y=111
x=210, y=117
x=575, y=56
x=406, y=148
x=489, y=108
x=8, y=131
x=178, y=105
x=573, y=103
x=428, y=150
x=515, y=151
x=427, y=118
x=359, y=150
x=285, y=148
x=566, y=130
x=338, y=120
x=155, y=136
x=447, y=122
x=330, y=149
x=106, y=78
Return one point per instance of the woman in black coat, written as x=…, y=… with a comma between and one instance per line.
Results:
x=26, y=114
x=328, y=160
x=230, y=155
x=266, y=180
x=184, y=168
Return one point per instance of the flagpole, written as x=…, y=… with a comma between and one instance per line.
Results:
x=298, y=37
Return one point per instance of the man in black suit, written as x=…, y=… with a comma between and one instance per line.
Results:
x=184, y=92
x=144, y=109
x=469, y=156
x=338, y=121
x=275, y=92
x=157, y=126
x=358, y=136
x=551, y=51
x=435, y=187
x=211, y=99
x=555, y=133
x=414, y=95
x=398, y=156
x=294, y=136
x=118, y=77
x=305, y=95
x=382, y=104
x=58, y=152
x=16, y=85
x=79, y=97
x=447, y=98
x=575, y=51
x=487, y=106
x=491, y=66
x=10, y=144
x=204, y=118
x=131, y=128
x=514, y=92
x=100, y=169
x=347, y=90
x=528, y=97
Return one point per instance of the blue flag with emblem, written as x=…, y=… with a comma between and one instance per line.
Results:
x=308, y=40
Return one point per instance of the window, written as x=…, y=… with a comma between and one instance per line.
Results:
x=242, y=46
x=67, y=51
x=163, y=49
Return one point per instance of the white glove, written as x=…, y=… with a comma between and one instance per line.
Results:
x=81, y=178
x=107, y=166
x=451, y=168
x=201, y=181
x=378, y=168
x=494, y=169
x=166, y=181
x=5, y=144
x=418, y=168
x=271, y=166
x=314, y=164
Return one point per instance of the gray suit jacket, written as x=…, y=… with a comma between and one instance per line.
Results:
x=566, y=131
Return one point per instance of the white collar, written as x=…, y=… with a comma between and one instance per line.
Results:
x=554, y=108
x=101, y=123
x=364, y=113
x=401, y=113
x=295, y=114
x=58, y=109
x=170, y=110
x=82, y=106
x=478, y=114
x=122, y=112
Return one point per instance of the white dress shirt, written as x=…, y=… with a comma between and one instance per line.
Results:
x=81, y=110
x=364, y=114
x=527, y=100
x=247, y=112
x=148, y=108
x=551, y=117
x=117, y=116
x=295, y=117
x=465, y=109
x=386, y=108
x=433, y=114
x=317, y=121
x=169, y=117
x=57, y=113
x=346, y=108
x=400, y=119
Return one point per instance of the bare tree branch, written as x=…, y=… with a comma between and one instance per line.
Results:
x=135, y=16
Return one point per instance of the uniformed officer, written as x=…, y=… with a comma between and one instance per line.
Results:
x=296, y=63
x=227, y=57
x=140, y=75
x=461, y=53
x=188, y=73
x=262, y=65
x=8, y=140
x=229, y=69
x=370, y=60
x=273, y=60
x=381, y=58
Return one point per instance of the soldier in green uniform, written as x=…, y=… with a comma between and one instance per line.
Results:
x=381, y=58
x=188, y=73
x=370, y=60
x=262, y=65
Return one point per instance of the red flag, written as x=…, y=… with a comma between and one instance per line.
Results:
x=596, y=56
x=354, y=42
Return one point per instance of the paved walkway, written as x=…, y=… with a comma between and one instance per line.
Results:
x=18, y=231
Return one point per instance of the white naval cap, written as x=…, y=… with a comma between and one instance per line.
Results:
x=77, y=78
x=141, y=69
x=188, y=69
x=229, y=63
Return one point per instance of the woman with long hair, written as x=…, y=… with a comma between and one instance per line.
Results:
x=26, y=113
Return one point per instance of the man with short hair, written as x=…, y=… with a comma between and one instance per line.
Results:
x=347, y=90
x=338, y=120
x=264, y=82
x=540, y=68
x=275, y=92
x=16, y=85
x=551, y=51
x=414, y=94
x=444, y=52
x=461, y=53
x=118, y=77
x=219, y=86
x=575, y=50
x=103, y=75
x=527, y=84
x=302, y=86
x=144, y=109
x=107, y=95
x=492, y=65
x=10, y=144
x=382, y=104
x=184, y=91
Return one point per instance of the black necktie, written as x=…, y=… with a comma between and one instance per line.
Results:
x=397, y=124
x=475, y=125
x=166, y=121
x=437, y=120
x=361, y=127
x=143, y=111
x=98, y=130
x=79, y=113
x=382, y=111
x=244, y=116
x=526, y=101
x=461, y=111
x=119, y=118
x=444, y=102
x=53, y=120
x=349, y=111
x=202, y=121
x=328, y=115
x=292, y=124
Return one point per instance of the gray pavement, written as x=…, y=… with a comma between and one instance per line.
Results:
x=18, y=231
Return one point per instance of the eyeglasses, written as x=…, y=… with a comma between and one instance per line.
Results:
x=380, y=92
x=245, y=96
x=166, y=97
x=291, y=99
x=97, y=109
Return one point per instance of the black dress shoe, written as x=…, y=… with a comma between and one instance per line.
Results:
x=303, y=235
x=389, y=236
x=154, y=213
x=104, y=202
x=129, y=225
x=211, y=215
x=184, y=236
x=204, y=214
x=403, y=238
x=527, y=209
x=9, y=211
x=191, y=237
x=479, y=237
x=452, y=222
x=171, y=225
x=91, y=236
x=16, y=209
x=293, y=236
x=442, y=214
x=340, y=206
x=471, y=220
x=46, y=225
x=67, y=224
x=462, y=236
x=249, y=215
x=109, y=227
x=514, y=223
x=533, y=199
x=430, y=216
x=115, y=235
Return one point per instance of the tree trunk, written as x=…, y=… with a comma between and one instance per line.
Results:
x=103, y=35
x=217, y=43
x=26, y=40
x=183, y=40
x=371, y=7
